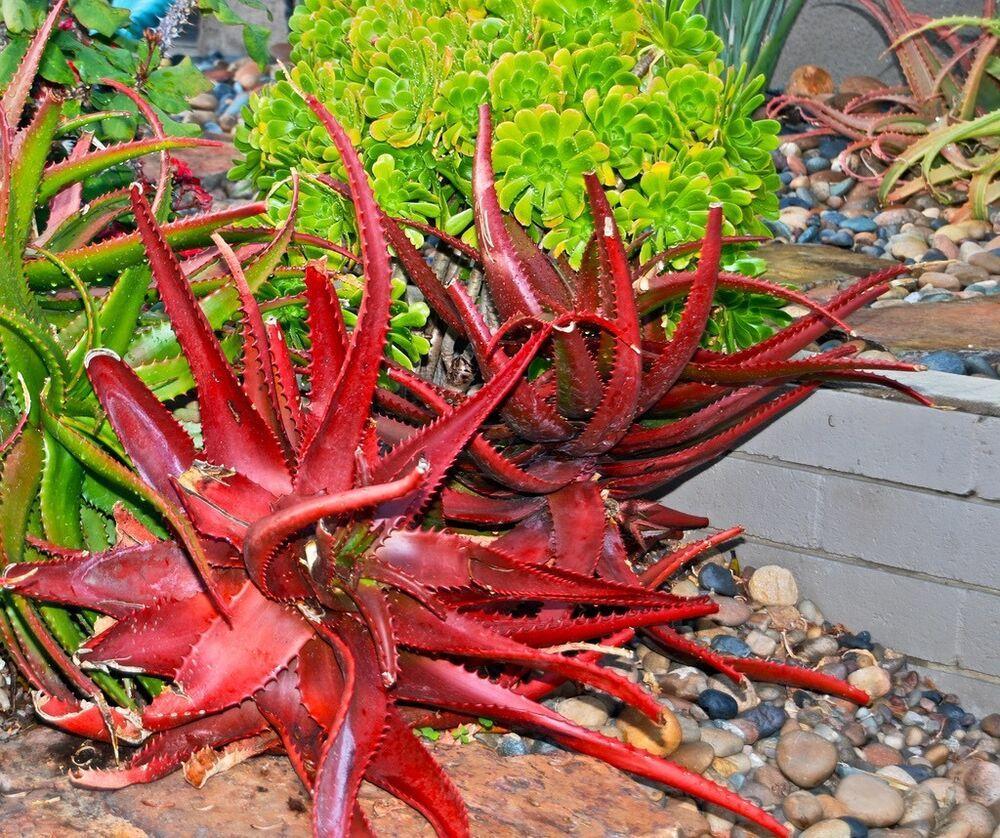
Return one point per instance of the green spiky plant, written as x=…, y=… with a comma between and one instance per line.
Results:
x=632, y=89
x=72, y=279
x=97, y=40
x=753, y=32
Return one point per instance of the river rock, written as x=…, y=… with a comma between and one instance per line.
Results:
x=717, y=704
x=920, y=807
x=685, y=682
x=981, y=780
x=639, y=730
x=881, y=755
x=991, y=725
x=805, y=758
x=809, y=80
x=871, y=800
x=831, y=828
x=988, y=260
x=773, y=585
x=976, y=817
x=586, y=710
x=694, y=756
x=802, y=809
x=732, y=612
x=723, y=742
x=872, y=679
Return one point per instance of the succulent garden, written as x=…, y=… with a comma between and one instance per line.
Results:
x=360, y=451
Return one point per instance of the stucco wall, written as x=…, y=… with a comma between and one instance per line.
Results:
x=888, y=513
x=838, y=35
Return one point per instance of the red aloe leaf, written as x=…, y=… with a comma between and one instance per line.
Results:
x=161, y=192
x=556, y=631
x=265, y=535
x=211, y=678
x=281, y=703
x=669, y=365
x=328, y=461
x=721, y=442
x=328, y=342
x=476, y=509
x=164, y=752
x=678, y=644
x=639, y=477
x=506, y=274
x=150, y=641
x=83, y=579
x=798, y=676
x=286, y=388
x=804, y=331
x=641, y=439
x=618, y=405
x=461, y=636
x=666, y=566
x=348, y=752
x=87, y=719
x=658, y=290
x=442, y=441
x=443, y=684
x=578, y=522
x=234, y=433
x=156, y=443
x=258, y=381
x=403, y=768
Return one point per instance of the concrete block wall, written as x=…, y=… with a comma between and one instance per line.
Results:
x=888, y=513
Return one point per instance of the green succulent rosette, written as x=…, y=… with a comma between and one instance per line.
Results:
x=631, y=89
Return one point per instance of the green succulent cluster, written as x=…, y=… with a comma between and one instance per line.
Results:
x=634, y=90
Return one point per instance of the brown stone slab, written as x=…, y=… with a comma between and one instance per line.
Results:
x=551, y=795
x=809, y=265
x=959, y=325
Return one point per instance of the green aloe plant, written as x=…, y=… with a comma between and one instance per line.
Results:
x=73, y=279
x=632, y=89
x=753, y=31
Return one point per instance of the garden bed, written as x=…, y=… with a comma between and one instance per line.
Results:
x=888, y=514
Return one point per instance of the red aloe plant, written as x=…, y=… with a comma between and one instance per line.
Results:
x=300, y=604
x=621, y=410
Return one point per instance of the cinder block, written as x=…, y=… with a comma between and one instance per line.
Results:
x=885, y=524
x=771, y=500
x=886, y=440
x=979, y=634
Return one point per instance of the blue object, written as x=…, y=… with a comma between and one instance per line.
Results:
x=945, y=361
x=146, y=14
x=767, y=718
x=841, y=187
x=809, y=235
x=831, y=148
x=861, y=640
x=816, y=164
x=728, y=645
x=859, y=224
x=716, y=578
x=794, y=201
x=717, y=704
